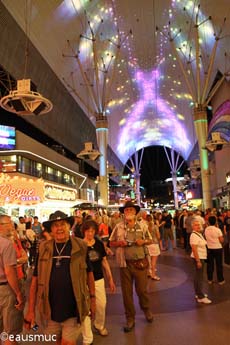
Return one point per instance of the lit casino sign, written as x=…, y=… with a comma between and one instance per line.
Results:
x=58, y=193
x=20, y=190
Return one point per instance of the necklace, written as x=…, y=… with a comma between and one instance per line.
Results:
x=91, y=243
x=58, y=258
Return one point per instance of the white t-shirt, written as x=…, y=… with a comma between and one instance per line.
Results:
x=198, y=240
x=212, y=234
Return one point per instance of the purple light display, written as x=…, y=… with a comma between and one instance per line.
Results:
x=151, y=121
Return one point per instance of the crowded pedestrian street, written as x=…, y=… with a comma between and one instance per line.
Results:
x=178, y=318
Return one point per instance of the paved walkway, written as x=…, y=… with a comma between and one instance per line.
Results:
x=179, y=320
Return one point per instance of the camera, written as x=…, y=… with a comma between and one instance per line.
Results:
x=130, y=243
x=35, y=327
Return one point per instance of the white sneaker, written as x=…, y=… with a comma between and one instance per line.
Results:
x=205, y=295
x=102, y=331
x=204, y=300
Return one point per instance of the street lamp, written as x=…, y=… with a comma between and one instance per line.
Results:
x=96, y=189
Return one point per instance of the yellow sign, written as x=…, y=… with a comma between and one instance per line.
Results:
x=53, y=192
x=20, y=190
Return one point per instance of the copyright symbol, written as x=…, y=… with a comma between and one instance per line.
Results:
x=3, y=336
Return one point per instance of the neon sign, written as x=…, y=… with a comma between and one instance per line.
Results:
x=57, y=193
x=20, y=190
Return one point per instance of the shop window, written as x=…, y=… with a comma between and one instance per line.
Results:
x=38, y=169
x=30, y=167
x=49, y=175
x=66, y=178
x=59, y=176
x=25, y=166
x=8, y=163
x=50, y=170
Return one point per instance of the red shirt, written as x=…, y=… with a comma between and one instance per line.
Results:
x=18, y=247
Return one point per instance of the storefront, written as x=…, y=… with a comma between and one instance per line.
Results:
x=31, y=196
x=223, y=194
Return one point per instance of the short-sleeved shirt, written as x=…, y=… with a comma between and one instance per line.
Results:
x=212, y=234
x=37, y=229
x=7, y=256
x=96, y=254
x=132, y=252
x=168, y=221
x=198, y=240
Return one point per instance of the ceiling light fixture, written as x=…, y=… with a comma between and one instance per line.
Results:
x=25, y=101
x=89, y=152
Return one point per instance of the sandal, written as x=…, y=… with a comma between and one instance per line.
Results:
x=156, y=278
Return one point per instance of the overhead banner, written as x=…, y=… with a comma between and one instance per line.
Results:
x=20, y=190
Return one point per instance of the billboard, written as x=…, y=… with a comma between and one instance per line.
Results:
x=7, y=138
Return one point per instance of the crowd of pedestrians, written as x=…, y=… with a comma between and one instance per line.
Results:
x=68, y=258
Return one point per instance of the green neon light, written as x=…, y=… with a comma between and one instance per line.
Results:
x=101, y=129
x=204, y=159
x=201, y=120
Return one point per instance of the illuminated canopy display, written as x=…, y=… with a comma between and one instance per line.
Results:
x=151, y=121
x=149, y=102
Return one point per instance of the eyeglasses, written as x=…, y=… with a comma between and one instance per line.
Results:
x=6, y=223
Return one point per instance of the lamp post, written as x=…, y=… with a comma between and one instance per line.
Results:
x=99, y=79
x=96, y=190
x=102, y=140
x=198, y=88
x=135, y=170
x=175, y=167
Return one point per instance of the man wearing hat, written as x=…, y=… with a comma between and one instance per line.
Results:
x=130, y=237
x=78, y=220
x=59, y=282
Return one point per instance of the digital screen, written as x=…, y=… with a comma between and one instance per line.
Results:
x=7, y=138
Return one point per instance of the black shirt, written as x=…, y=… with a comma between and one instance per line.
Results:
x=168, y=221
x=96, y=254
x=61, y=296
